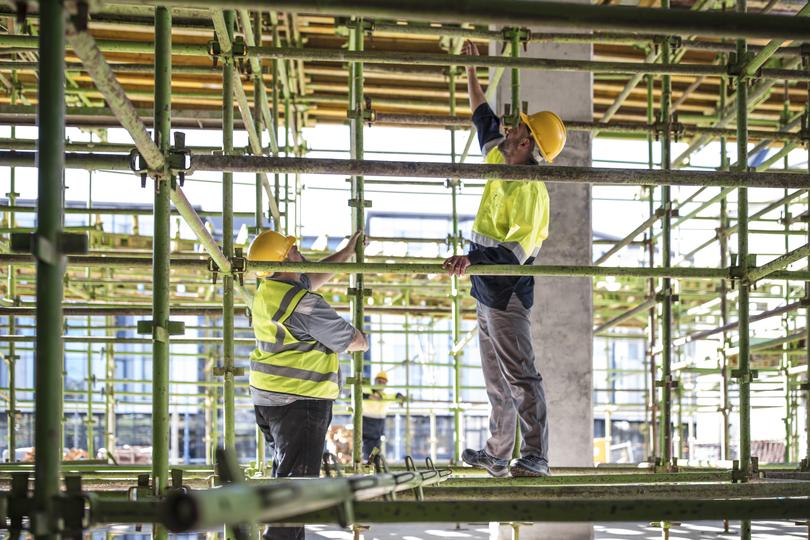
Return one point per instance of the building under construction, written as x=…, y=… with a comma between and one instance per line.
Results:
x=670, y=324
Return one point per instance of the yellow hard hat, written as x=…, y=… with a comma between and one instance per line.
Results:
x=270, y=246
x=382, y=375
x=548, y=131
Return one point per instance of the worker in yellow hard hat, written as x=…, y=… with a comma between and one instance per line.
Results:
x=375, y=411
x=294, y=370
x=509, y=228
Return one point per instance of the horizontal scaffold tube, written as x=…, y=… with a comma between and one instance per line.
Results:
x=283, y=498
x=585, y=175
x=424, y=268
x=528, y=173
x=545, y=64
x=578, y=510
x=523, y=13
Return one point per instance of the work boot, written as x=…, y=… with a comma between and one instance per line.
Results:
x=529, y=466
x=479, y=458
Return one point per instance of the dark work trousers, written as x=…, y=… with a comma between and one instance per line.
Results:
x=514, y=386
x=373, y=430
x=296, y=434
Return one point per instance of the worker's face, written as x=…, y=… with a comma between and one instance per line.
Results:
x=380, y=382
x=517, y=142
x=295, y=256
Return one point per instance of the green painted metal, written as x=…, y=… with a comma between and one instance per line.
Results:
x=161, y=254
x=755, y=64
x=11, y=358
x=229, y=411
x=807, y=311
x=666, y=381
x=439, y=59
x=355, y=114
x=744, y=371
x=578, y=510
x=558, y=14
x=50, y=270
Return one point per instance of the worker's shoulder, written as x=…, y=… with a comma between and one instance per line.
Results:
x=312, y=304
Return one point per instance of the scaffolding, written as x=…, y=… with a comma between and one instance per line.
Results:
x=664, y=300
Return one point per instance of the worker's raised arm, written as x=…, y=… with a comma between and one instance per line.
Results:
x=343, y=255
x=477, y=96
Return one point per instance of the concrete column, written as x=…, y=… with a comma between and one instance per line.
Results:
x=562, y=316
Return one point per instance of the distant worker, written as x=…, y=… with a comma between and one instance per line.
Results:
x=375, y=410
x=294, y=370
x=509, y=228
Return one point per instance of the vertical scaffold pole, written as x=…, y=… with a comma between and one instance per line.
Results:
x=725, y=407
x=109, y=394
x=227, y=247
x=257, y=32
x=358, y=204
x=455, y=295
x=653, y=313
x=161, y=249
x=274, y=127
x=807, y=295
x=50, y=266
x=666, y=292
x=744, y=371
x=11, y=421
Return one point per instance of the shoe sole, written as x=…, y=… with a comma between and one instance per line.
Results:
x=521, y=472
x=499, y=474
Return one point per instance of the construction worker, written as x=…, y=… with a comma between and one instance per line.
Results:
x=294, y=370
x=375, y=410
x=509, y=228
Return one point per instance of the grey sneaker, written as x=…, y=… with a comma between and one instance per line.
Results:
x=529, y=466
x=479, y=458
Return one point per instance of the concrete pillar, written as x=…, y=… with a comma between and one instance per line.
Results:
x=562, y=316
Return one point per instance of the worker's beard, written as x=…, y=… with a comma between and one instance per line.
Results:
x=507, y=147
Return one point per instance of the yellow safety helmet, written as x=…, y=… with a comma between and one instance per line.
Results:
x=548, y=131
x=382, y=375
x=270, y=246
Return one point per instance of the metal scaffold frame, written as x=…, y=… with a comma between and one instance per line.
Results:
x=94, y=493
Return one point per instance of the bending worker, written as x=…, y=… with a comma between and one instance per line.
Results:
x=375, y=410
x=294, y=370
x=509, y=228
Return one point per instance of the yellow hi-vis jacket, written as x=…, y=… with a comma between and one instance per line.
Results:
x=512, y=214
x=280, y=362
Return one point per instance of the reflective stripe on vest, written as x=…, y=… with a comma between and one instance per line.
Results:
x=281, y=362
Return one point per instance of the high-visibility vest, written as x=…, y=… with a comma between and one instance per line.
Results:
x=280, y=362
x=512, y=214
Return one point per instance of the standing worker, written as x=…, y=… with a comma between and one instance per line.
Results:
x=294, y=370
x=375, y=410
x=509, y=228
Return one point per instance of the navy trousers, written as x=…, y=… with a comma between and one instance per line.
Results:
x=296, y=435
x=373, y=429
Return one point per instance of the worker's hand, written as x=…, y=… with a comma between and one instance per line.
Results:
x=456, y=265
x=352, y=243
x=469, y=48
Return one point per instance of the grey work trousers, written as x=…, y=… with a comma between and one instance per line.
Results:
x=514, y=386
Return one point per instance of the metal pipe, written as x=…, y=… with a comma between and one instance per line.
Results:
x=627, y=240
x=545, y=64
x=50, y=270
x=750, y=68
x=506, y=172
x=743, y=375
x=161, y=256
x=666, y=251
x=560, y=15
x=650, y=302
x=779, y=263
x=229, y=420
x=807, y=295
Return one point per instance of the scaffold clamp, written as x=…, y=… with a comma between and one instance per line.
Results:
x=159, y=333
x=46, y=251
